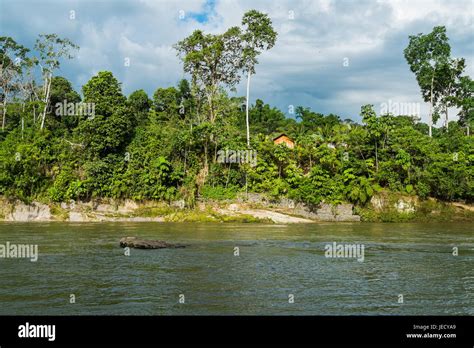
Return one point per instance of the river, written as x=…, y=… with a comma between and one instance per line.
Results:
x=407, y=269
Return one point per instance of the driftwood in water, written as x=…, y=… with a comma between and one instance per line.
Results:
x=134, y=242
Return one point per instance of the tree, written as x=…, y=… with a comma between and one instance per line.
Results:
x=61, y=90
x=12, y=60
x=62, y=96
x=426, y=55
x=51, y=49
x=108, y=131
x=186, y=102
x=166, y=100
x=464, y=100
x=266, y=119
x=213, y=61
x=140, y=104
x=139, y=101
x=258, y=36
x=449, y=74
x=369, y=117
x=105, y=92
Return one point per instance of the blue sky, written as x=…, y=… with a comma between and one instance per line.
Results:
x=202, y=16
x=306, y=66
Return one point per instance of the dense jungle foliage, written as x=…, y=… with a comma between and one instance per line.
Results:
x=165, y=146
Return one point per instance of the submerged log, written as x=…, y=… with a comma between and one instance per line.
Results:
x=134, y=242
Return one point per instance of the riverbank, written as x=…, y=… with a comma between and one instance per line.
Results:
x=251, y=208
x=392, y=207
x=130, y=211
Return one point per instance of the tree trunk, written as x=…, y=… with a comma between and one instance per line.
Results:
x=430, y=121
x=447, y=118
x=246, y=186
x=4, y=106
x=211, y=111
x=210, y=100
x=206, y=161
x=46, y=99
x=446, y=106
x=4, y=115
x=376, y=158
x=247, y=110
x=228, y=176
x=215, y=151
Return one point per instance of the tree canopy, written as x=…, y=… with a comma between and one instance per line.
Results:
x=164, y=146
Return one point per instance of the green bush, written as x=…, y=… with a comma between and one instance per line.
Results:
x=218, y=192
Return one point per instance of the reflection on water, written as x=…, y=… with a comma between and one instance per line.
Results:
x=414, y=260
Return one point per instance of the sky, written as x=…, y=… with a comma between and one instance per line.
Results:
x=332, y=56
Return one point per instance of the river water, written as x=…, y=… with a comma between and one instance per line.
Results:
x=408, y=269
